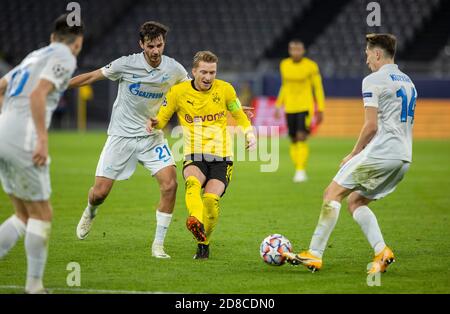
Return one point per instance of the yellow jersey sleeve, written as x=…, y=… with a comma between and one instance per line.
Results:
x=167, y=109
x=231, y=99
x=235, y=108
x=316, y=81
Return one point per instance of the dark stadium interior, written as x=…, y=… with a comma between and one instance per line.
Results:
x=249, y=36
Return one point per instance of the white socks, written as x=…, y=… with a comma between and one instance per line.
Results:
x=36, y=247
x=327, y=221
x=162, y=224
x=10, y=231
x=91, y=210
x=369, y=225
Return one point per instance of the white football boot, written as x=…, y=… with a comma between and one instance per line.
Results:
x=300, y=176
x=158, y=251
x=84, y=226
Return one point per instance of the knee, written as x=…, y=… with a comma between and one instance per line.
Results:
x=41, y=210
x=301, y=137
x=332, y=194
x=353, y=202
x=327, y=195
x=169, y=187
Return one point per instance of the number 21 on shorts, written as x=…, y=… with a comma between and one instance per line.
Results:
x=163, y=152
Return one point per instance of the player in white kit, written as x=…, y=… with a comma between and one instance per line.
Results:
x=144, y=79
x=379, y=160
x=31, y=93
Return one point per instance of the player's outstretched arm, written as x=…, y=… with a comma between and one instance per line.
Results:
x=248, y=111
x=244, y=123
x=368, y=131
x=38, y=102
x=86, y=78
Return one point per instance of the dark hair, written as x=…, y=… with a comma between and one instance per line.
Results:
x=387, y=42
x=63, y=32
x=205, y=56
x=296, y=41
x=151, y=30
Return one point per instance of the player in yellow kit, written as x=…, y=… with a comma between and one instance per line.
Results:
x=301, y=88
x=202, y=105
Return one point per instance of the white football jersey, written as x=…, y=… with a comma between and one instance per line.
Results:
x=142, y=91
x=394, y=94
x=54, y=63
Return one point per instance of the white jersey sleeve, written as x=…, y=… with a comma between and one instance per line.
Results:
x=115, y=69
x=8, y=76
x=370, y=92
x=182, y=74
x=59, y=70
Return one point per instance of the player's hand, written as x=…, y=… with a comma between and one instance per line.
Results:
x=40, y=153
x=277, y=114
x=248, y=111
x=151, y=123
x=347, y=158
x=251, y=141
x=319, y=117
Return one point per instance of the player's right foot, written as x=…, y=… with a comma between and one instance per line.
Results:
x=196, y=228
x=382, y=261
x=158, y=251
x=305, y=258
x=300, y=176
x=202, y=251
x=84, y=226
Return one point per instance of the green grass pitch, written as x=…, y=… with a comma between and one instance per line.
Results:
x=116, y=255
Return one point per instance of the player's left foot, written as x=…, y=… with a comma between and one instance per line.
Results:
x=300, y=176
x=196, y=228
x=202, y=251
x=158, y=251
x=382, y=261
x=84, y=226
x=313, y=263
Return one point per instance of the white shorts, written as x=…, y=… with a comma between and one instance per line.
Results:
x=373, y=178
x=21, y=178
x=121, y=154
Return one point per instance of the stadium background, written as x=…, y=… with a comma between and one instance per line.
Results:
x=250, y=37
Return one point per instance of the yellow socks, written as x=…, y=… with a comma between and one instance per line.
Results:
x=293, y=153
x=205, y=209
x=302, y=153
x=210, y=214
x=299, y=152
x=194, y=202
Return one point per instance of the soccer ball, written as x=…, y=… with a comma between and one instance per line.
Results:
x=272, y=248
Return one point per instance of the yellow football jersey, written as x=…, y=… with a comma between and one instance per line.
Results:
x=301, y=84
x=203, y=116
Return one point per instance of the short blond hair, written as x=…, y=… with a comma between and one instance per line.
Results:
x=205, y=56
